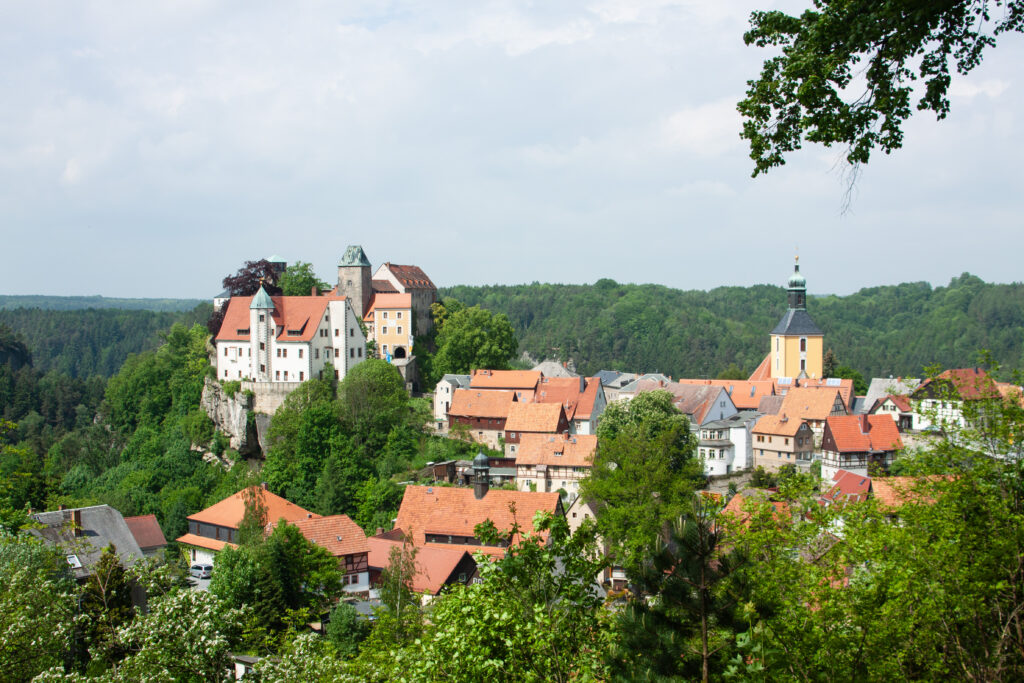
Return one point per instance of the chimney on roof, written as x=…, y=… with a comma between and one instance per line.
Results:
x=865, y=425
x=313, y=291
x=583, y=384
x=263, y=485
x=379, y=531
x=76, y=517
x=309, y=515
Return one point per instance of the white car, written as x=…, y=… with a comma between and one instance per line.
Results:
x=201, y=571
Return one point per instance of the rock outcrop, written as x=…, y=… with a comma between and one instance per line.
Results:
x=230, y=415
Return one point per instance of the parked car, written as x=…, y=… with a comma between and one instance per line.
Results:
x=201, y=571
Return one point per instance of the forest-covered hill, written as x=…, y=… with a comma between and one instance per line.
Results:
x=82, y=343
x=896, y=329
x=76, y=303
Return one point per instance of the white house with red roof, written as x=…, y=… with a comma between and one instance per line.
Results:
x=346, y=541
x=287, y=338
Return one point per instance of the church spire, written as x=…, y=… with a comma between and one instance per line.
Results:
x=797, y=288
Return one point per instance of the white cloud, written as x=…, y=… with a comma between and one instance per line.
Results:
x=707, y=130
x=992, y=87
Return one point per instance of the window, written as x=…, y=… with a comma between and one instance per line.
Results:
x=336, y=353
x=284, y=353
x=225, y=373
x=261, y=317
x=399, y=329
x=279, y=353
x=351, y=353
x=302, y=375
x=360, y=350
x=262, y=346
x=385, y=315
x=803, y=343
x=786, y=441
x=384, y=330
x=225, y=350
x=803, y=364
x=385, y=348
x=335, y=374
x=351, y=331
x=263, y=368
x=316, y=353
x=399, y=314
x=285, y=375
x=336, y=331
x=277, y=374
x=300, y=353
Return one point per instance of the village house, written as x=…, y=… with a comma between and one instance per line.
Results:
x=447, y=516
x=554, y=462
x=857, y=443
x=389, y=324
x=533, y=418
x=782, y=440
x=82, y=534
x=287, y=338
x=482, y=414
x=443, y=396
x=613, y=382
x=522, y=382
x=356, y=282
x=147, y=533
x=211, y=529
x=880, y=387
x=744, y=394
x=582, y=398
x=344, y=540
x=435, y=567
x=813, y=406
x=899, y=408
x=700, y=403
x=939, y=402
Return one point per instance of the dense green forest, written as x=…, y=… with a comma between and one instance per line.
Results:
x=77, y=303
x=880, y=331
x=86, y=342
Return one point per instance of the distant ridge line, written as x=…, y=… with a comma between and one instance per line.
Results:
x=77, y=303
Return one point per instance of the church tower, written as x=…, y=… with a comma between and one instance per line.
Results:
x=354, y=279
x=797, y=342
x=262, y=328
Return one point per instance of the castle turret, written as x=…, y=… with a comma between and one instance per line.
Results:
x=354, y=279
x=797, y=342
x=261, y=324
x=481, y=475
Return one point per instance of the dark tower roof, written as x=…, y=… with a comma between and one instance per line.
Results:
x=354, y=256
x=796, y=321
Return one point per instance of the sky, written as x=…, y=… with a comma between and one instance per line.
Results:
x=149, y=149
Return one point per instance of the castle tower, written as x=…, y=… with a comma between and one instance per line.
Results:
x=261, y=324
x=797, y=342
x=354, y=279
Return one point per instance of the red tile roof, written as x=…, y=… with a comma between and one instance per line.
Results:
x=146, y=531
x=338, y=534
x=543, y=449
x=434, y=563
x=848, y=487
x=843, y=386
x=777, y=425
x=229, y=512
x=504, y=379
x=203, y=542
x=471, y=403
x=864, y=433
x=895, y=492
x=291, y=313
x=740, y=507
x=807, y=403
x=763, y=372
x=534, y=417
x=390, y=301
x=970, y=384
x=456, y=511
x=745, y=394
x=382, y=286
x=577, y=394
x=411, y=277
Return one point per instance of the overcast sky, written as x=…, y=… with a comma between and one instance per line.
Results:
x=149, y=150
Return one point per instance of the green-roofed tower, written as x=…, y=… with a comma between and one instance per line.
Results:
x=354, y=278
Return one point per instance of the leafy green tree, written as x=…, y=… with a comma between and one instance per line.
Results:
x=473, y=338
x=829, y=364
x=346, y=629
x=106, y=601
x=644, y=471
x=681, y=621
x=37, y=607
x=299, y=279
x=733, y=372
x=805, y=92
x=860, y=386
x=373, y=401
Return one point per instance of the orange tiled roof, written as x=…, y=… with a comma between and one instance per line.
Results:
x=969, y=383
x=455, y=511
x=745, y=394
x=291, y=313
x=471, y=403
x=807, y=403
x=738, y=508
x=777, y=425
x=434, y=563
x=229, y=512
x=534, y=417
x=390, y=302
x=1010, y=392
x=338, y=534
x=544, y=449
x=863, y=433
x=504, y=379
x=848, y=487
x=411, y=277
x=894, y=492
x=579, y=404
x=203, y=542
x=843, y=386
x=146, y=531
x=763, y=372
